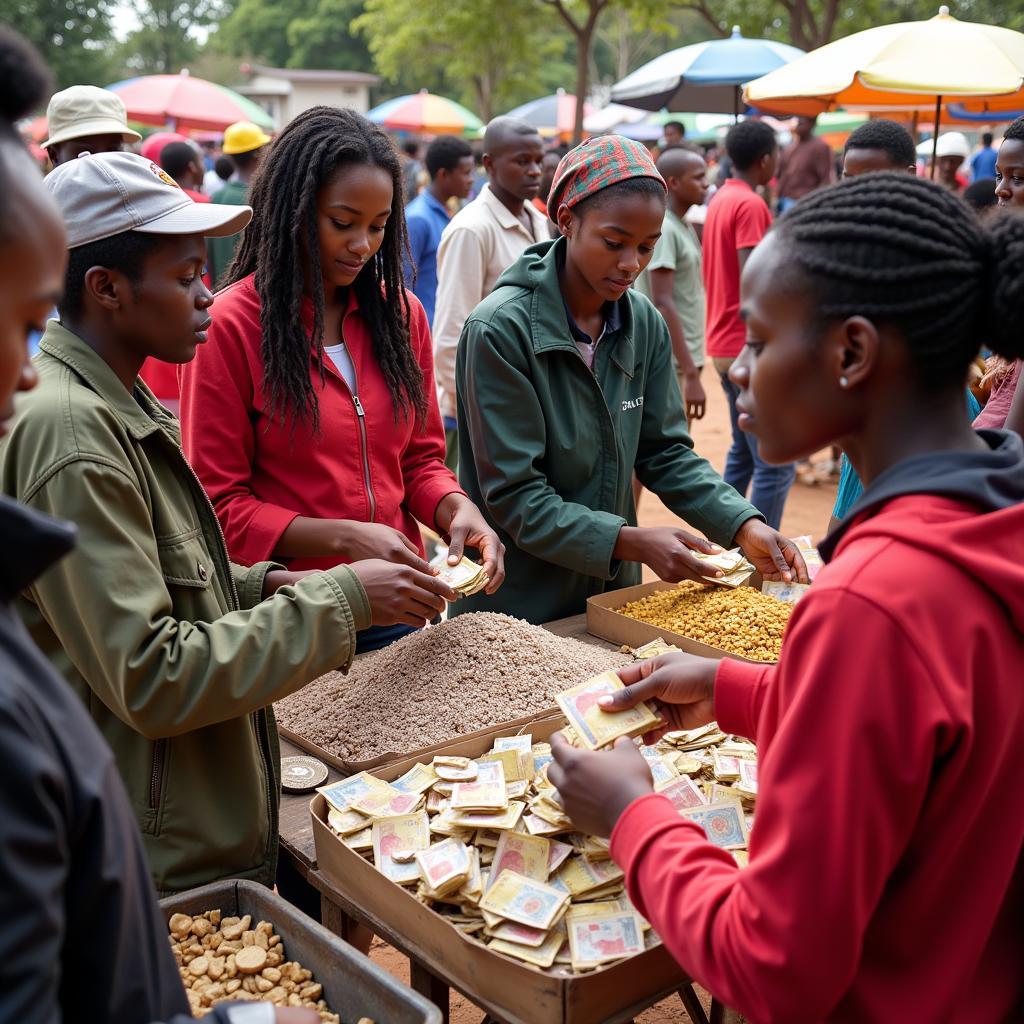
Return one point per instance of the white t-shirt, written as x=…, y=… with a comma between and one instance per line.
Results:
x=338, y=355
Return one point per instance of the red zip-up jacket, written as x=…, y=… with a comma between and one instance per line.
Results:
x=260, y=475
x=885, y=880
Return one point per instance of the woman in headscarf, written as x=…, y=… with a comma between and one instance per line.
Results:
x=566, y=385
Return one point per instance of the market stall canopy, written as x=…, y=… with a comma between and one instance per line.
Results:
x=703, y=77
x=184, y=101
x=612, y=116
x=425, y=112
x=908, y=66
x=554, y=114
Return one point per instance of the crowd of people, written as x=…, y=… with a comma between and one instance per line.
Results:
x=508, y=371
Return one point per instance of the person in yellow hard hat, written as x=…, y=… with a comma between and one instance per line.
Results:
x=245, y=143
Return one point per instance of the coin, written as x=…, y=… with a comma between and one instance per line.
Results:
x=301, y=774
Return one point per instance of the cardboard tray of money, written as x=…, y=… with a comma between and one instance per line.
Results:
x=526, y=995
x=420, y=754
x=607, y=622
x=354, y=986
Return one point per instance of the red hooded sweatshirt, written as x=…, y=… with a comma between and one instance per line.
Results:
x=886, y=880
x=260, y=475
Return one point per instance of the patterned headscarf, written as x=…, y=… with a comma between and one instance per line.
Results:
x=596, y=164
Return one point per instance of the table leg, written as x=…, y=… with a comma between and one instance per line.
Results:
x=692, y=1005
x=430, y=986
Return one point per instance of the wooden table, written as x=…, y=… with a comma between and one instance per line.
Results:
x=340, y=914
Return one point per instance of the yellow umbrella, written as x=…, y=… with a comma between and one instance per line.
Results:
x=913, y=65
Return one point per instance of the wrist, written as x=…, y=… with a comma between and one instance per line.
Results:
x=623, y=796
x=627, y=544
x=744, y=529
x=447, y=509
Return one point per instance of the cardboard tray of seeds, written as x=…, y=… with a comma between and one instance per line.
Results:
x=412, y=756
x=607, y=622
x=525, y=994
x=354, y=986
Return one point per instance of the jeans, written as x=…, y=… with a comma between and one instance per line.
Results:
x=771, y=484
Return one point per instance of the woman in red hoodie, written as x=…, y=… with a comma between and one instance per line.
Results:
x=886, y=879
x=310, y=415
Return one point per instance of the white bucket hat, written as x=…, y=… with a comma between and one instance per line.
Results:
x=107, y=193
x=85, y=110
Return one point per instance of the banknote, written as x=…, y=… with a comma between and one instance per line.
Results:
x=581, y=876
x=788, y=592
x=540, y=956
x=683, y=792
x=537, y=826
x=523, y=745
x=465, y=577
x=594, y=727
x=599, y=938
x=386, y=802
x=417, y=779
x=505, y=819
x=557, y=854
x=723, y=824
x=444, y=867
x=485, y=793
x=510, y=931
x=525, y=900
x=522, y=853
x=340, y=794
x=346, y=822
x=359, y=841
x=653, y=649
x=395, y=835
x=748, y=776
x=516, y=765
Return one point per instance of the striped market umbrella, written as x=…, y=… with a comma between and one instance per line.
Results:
x=183, y=101
x=704, y=77
x=552, y=115
x=425, y=112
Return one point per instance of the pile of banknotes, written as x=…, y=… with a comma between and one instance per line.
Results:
x=465, y=577
x=486, y=843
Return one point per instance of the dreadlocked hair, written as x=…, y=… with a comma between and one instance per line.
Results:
x=283, y=194
x=902, y=251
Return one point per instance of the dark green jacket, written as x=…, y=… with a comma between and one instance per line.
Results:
x=170, y=646
x=221, y=251
x=547, y=447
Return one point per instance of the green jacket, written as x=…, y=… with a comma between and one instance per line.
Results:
x=169, y=644
x=547, y=448
x=221, y=251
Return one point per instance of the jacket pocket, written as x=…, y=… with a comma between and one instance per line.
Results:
x=156, y=774
x=185, y=562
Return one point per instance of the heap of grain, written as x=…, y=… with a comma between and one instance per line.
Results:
x=468, y=673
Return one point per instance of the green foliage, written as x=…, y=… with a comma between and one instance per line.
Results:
x=72, y=35
x=490, y=53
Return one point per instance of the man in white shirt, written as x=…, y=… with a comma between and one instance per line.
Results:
x=482, y=241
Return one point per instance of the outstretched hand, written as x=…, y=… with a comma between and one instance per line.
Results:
x=773, y=555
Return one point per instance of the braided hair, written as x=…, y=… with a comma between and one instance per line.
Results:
x=905, y=252
x=283, y=194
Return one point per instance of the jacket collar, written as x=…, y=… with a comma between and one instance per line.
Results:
x=504, y=216
x=68, y=348
x=32, y=542
x=549, y=316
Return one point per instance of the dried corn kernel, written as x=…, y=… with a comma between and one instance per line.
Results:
x=741, y=620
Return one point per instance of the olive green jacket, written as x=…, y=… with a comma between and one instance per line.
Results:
x=170, y=645
x=547, y=446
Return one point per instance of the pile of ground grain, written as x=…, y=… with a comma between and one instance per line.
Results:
x=468, y=673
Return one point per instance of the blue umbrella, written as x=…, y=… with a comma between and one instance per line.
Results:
x=705, y=77
x=958, y=112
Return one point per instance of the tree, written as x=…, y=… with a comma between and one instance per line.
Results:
x=809, y=23
x=73, y=37
x=296, y=33
x=497, y=50
x=165, y=41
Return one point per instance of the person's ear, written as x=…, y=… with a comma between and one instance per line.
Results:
x=856, y=347
x=107, y=288
x=565, y=220
x=489, y=164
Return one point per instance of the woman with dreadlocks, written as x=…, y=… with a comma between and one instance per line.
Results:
x=310, y=415
x=885, y=879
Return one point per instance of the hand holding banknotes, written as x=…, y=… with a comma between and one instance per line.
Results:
x=597, y=786
x=401, y=594
x=462, y=525
x=667, y=550
x=773, y=555
x=680, y=688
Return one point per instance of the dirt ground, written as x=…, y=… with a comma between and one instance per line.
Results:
x=807, y=512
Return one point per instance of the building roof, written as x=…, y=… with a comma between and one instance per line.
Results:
x=304, y=75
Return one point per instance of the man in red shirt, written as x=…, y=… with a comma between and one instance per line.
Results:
x=737, y=220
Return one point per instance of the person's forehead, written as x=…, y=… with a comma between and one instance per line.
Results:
x=870, y=155
x=520, y=145
x=1011, y=153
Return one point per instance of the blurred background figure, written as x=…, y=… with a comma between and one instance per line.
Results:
x=84, y=119
x=806, y=164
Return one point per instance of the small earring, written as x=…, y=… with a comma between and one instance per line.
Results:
x=844, y=382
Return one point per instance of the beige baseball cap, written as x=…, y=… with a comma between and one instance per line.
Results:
x=86, y=110
x=107, y=193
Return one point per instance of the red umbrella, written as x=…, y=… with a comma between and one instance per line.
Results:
x=182, y=101
x=153, y=145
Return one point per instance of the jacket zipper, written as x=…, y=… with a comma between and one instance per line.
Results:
x=156, y=777
x=361, y=415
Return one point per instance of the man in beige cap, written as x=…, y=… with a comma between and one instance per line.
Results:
x=84, y=119
x=245, y=143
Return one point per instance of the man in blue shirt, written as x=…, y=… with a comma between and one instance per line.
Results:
x=450, y=165
x=983, y=163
